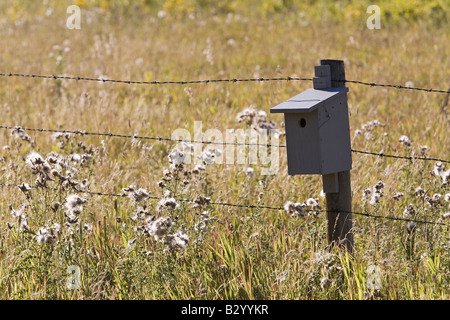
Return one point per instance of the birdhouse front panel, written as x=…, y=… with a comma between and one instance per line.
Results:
x=317, y=131
x=303, y=142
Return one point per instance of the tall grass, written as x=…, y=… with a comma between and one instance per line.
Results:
x=232, y=253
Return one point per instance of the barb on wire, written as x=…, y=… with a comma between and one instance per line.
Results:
x=250, y=206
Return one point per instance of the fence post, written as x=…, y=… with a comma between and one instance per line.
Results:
x=337, y=186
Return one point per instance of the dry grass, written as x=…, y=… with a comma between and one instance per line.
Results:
x=245, y=253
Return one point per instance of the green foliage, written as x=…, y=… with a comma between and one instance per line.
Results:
x=342, y=11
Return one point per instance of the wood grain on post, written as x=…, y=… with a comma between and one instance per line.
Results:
x=339, y=204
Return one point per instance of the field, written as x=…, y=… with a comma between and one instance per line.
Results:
x=60, y=241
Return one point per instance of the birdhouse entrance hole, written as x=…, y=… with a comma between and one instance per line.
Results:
x=302, y=122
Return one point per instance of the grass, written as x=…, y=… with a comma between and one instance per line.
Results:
x=244, y=253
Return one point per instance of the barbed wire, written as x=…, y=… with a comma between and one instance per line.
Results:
x=153, y=82
x=234, y=80
x=400, y=157
x=365, y=214
x=277, y=208
x=372, y=84
x=179, y=199
x=392, y=218
x=79, y=132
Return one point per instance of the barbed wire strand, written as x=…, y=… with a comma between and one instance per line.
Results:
x=122, y=195
x=276, y=208
x=399, y=157
x=235, y=80
x=79, y=132
x=153, y=82
x=396, y=86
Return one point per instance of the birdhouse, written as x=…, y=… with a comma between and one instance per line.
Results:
x=317, y=128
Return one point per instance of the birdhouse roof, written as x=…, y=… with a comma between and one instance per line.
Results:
x=309, y=100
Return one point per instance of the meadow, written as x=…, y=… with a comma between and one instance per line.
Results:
x=149, y=244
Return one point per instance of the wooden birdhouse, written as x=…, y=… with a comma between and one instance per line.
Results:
x=317, y=128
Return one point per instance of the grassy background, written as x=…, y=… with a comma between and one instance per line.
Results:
x=246, y=253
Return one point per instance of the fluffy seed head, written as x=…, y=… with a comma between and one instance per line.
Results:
x=176, y=157
x=294, y=209
x=398, y=195
x=419, y=192
x=167, y=203
x=405, y=140
x=159, y=227
x=19, y=133
x=136, y=194
x=178, y=240
x=46, y=235
x=409, y=211
x=74, y=203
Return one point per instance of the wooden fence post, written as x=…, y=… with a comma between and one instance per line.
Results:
x=339, y=200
